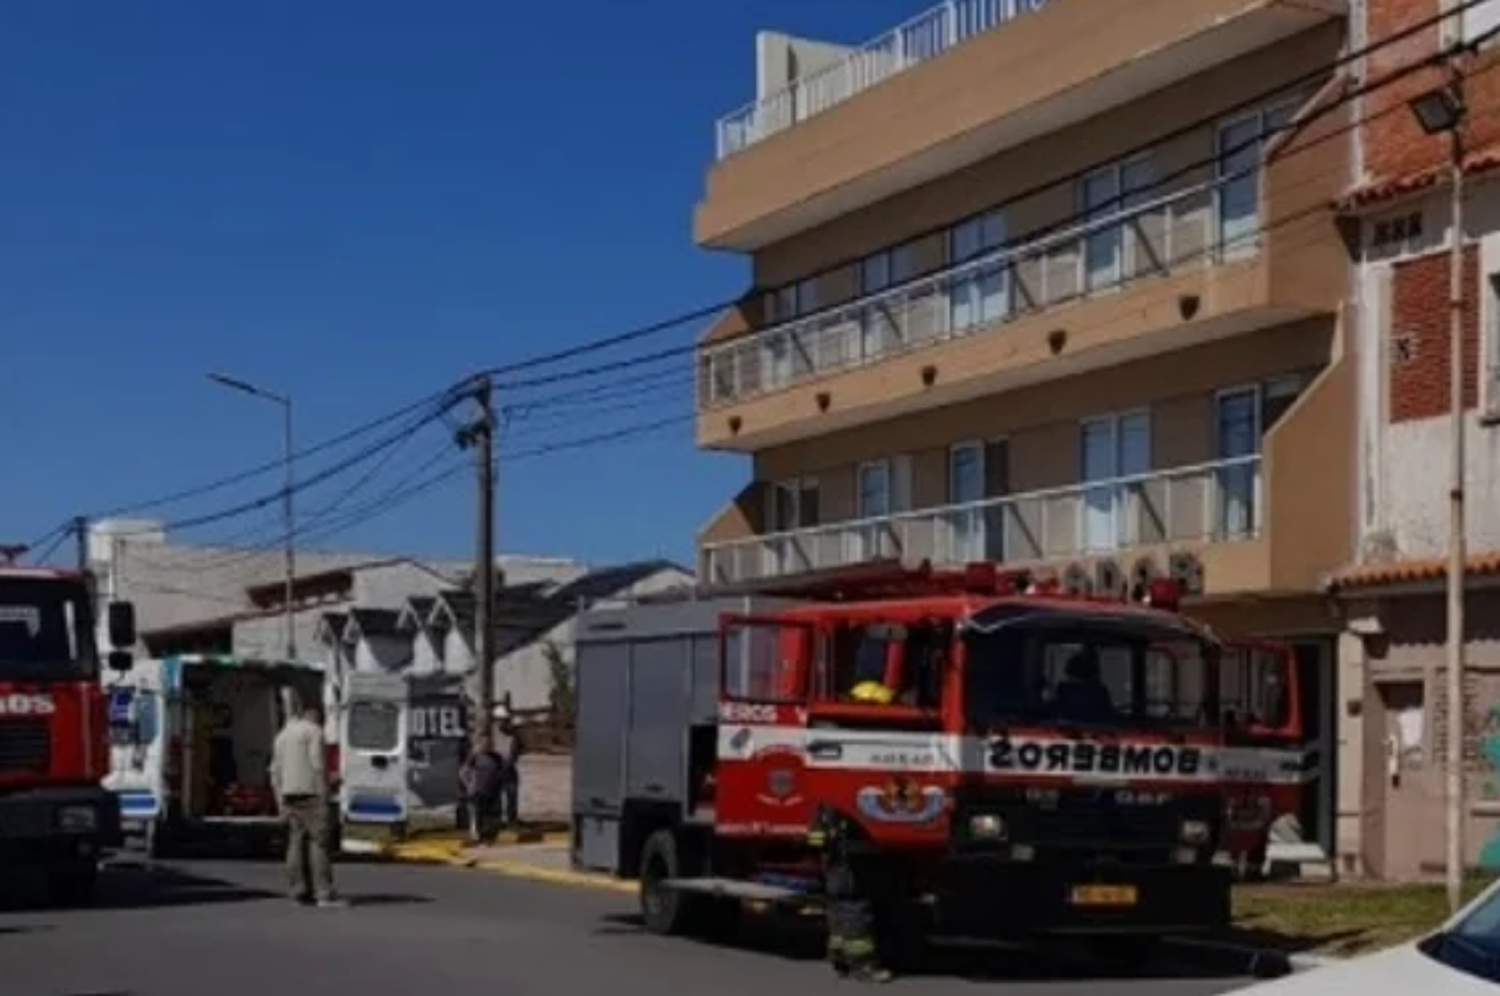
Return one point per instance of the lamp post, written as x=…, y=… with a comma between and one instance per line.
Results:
x=1442, y=111
x=288, y=519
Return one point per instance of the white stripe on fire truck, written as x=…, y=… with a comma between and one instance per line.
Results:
x=865, y=750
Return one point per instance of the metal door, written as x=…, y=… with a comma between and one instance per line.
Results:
x=372, y=758
x=138, y=733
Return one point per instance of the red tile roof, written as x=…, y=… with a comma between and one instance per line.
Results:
x=1380, y=192
x=1411, y=572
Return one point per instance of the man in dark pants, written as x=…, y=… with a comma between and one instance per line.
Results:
x=481, y=779
x=852, y=950
x=508, y=749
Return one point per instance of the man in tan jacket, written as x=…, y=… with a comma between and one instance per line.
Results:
x=299, y=776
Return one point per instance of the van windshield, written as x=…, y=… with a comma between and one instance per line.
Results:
x=46, y=629
x=1083, y=676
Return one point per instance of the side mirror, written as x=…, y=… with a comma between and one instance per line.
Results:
x=120, y=661
x=121, y=625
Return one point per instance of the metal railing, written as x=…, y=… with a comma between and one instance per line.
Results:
x=924, y=37
x=1153, y=238
x=1205, y=503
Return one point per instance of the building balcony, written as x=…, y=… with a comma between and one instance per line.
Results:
x=959, y=83
x=1275, y=520
x=1204, y=259
x=1216, y=505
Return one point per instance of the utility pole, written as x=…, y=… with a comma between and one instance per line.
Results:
x=1457, y=544
x=480, y=437
x=1439, y=111
x=81, y=542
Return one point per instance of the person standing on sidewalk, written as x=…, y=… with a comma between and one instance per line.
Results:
x=481, y=780
x=508, y=748
x=299, y=777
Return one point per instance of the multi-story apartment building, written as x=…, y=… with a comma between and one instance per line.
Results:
x=1391, y=600
x=1058, y=284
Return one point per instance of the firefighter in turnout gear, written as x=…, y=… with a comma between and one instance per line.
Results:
x=852, y=949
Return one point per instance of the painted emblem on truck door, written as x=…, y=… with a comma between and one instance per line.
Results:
x=902, y=800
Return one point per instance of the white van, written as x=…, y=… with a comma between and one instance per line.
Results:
x=402, y=740
x=190, y=746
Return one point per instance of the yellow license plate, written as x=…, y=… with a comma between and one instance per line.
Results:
x=1104, y=895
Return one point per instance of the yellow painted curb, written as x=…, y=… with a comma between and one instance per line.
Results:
x=555, y=876
x=452, y=851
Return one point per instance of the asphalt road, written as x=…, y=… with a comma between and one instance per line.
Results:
x=223, y=929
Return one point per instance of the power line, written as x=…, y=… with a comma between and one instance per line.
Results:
x=438, y=399
x=366, y=453
x=1291, y=87
x=699, y=314
x=1019, y=246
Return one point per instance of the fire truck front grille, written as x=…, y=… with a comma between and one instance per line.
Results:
x=25, y=746
x=1115, y=827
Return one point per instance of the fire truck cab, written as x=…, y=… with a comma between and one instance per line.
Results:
x=1010, y=762
x=55, y=815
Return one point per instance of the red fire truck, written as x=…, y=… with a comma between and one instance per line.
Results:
x=1038, y=764
x=55, y=816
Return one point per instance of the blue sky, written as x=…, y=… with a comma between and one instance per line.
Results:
x=357, y=202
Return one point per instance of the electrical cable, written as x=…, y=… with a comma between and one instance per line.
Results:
x=1012, y=247
x=1288, y=88
x=700, y=313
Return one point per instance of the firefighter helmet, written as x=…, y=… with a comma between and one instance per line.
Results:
x=872, y=692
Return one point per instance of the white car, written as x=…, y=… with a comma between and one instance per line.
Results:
x=1462, y=957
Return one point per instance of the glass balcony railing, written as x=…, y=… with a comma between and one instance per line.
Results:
x=1207, y=503
x=1195, y=226
x=924, y=37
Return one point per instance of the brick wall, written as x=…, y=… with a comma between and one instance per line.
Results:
x=1394, y=144
x=1419, y=353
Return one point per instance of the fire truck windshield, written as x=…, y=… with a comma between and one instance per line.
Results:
x=1110, y=677
x=45, y=629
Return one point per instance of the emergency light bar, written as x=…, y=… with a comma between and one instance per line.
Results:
x=12, y=552
x=986, y=577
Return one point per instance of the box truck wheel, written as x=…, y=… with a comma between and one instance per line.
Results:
x=664, y=909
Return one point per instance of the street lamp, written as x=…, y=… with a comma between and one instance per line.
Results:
x=288, y=521
x=1442, y=111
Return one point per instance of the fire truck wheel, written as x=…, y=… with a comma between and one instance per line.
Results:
x=72, y=884
x=664, y=910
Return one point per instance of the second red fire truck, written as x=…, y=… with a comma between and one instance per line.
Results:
x=55, y=817
x=1016, y=763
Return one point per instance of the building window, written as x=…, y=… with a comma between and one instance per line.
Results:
x=1116, y=455
x=884, y=492
x=1241, y=143
x=1238, y=474
x=980, y=294
x=791, y=505
x=1111, y=249
x=794, y=504
x=792, y=301
x=882, y=325
x=1277, y=397
x=974, y=526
